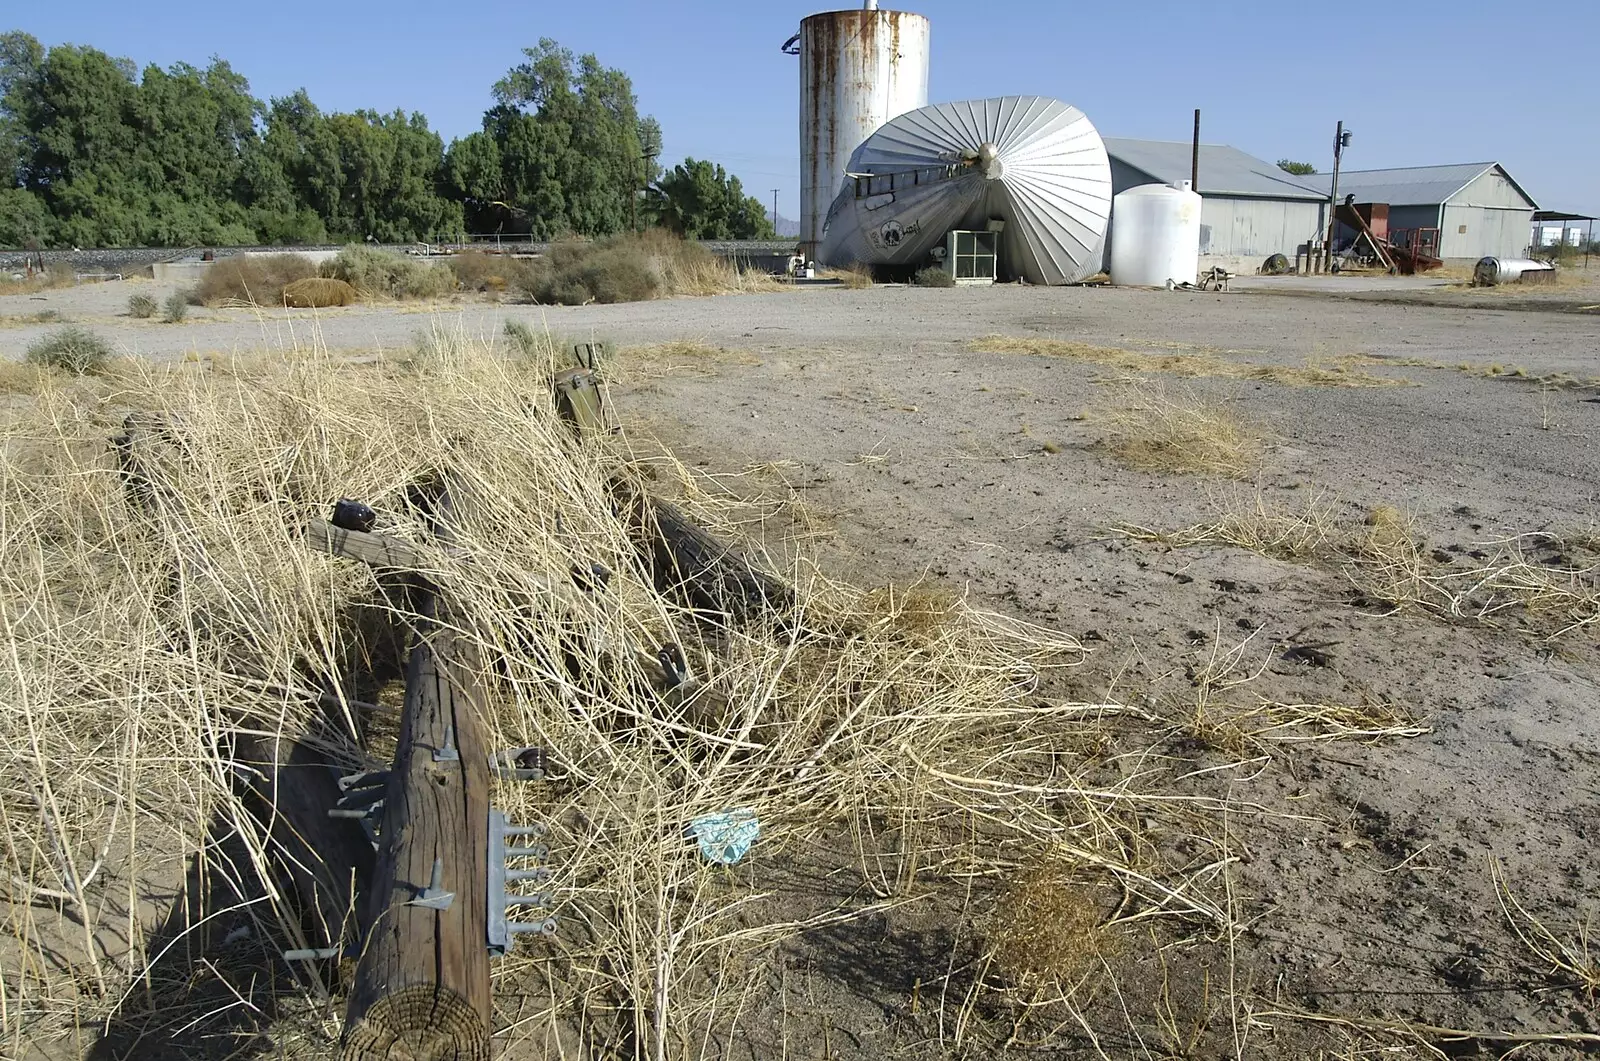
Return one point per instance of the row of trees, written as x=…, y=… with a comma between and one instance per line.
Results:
x=95, y=153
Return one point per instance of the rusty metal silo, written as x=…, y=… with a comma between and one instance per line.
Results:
x=858, y=69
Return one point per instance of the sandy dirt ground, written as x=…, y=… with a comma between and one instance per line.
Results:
x=1379, y=880
x=926, y=459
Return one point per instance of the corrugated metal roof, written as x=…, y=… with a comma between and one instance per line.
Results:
x=1223, y=170
x=1408, y=186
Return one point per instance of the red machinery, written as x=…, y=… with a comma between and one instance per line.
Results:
x=1408, y=251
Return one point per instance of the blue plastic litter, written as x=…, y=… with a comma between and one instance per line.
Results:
x=725, y=838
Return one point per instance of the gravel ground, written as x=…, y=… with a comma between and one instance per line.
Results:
x=824, y=318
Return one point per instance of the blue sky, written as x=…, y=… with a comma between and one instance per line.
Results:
x=1418, y=81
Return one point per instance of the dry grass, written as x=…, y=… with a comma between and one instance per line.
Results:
x=1571, y=961
x=711, y=275
x=652, y=361
x=1535, y=582
x=53, y=277
x=854, y=276
x=137, y=642
x=899, y=746
x=1343, y=371
x=24, y=320
x=635, y=267
x=20, y=377
x=1155, y=430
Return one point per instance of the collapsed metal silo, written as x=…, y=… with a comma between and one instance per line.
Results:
x=1031, y=170
x=858, y=69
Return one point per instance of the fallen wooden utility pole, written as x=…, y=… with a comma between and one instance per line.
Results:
x=684, y=559
x=421, y=991
x=691, y=562
x=422, y=982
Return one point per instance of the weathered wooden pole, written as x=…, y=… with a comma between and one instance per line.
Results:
x=690, y=561
x=421, y=991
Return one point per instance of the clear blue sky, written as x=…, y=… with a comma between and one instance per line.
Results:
x=1418, y=81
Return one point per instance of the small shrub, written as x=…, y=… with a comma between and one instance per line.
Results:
x=524, y=340
x=317, y=292
x=177, y=307
x=254, y=279
x=142, y=306
x=378, y=273
x=614, y=270
x=933, y=276
x=489, y=274
x=71, y=349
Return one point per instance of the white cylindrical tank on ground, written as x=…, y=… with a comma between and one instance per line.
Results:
x=1155, y=236
x=858, y=69
x=1491, y=271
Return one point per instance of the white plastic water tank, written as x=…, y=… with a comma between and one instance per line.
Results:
x=1155, y=236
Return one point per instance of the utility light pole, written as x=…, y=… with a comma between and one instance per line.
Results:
x=1341, y=140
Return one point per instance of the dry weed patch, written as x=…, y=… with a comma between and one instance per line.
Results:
x=855, y=276
x=651, y=361
x=53, y=277
x=1199, y=362
x=1538, y=581
x=1048, y=930
x=1159, y=431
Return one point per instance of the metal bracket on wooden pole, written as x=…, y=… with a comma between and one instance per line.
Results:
x=502, y=930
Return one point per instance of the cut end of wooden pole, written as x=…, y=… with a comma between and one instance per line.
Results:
x=421, y=1023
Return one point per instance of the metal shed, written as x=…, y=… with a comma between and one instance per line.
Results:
x=1249, y=209
x=1478, y=208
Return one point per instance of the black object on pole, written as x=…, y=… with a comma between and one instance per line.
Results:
x=1341, y=140
x=774, y=210
x=1194, y=160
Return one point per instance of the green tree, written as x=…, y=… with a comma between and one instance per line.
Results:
x=571, y=144
x=20, y=57
x=700, y=200
x=349, y=177
x=24, y=219
x=117, y=161
x=1299, y=169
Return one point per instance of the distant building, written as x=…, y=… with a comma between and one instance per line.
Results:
x=1249, y=210
x=1479, y=210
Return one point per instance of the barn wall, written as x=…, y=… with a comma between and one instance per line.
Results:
x=1473, y=232
x=1257, y=228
